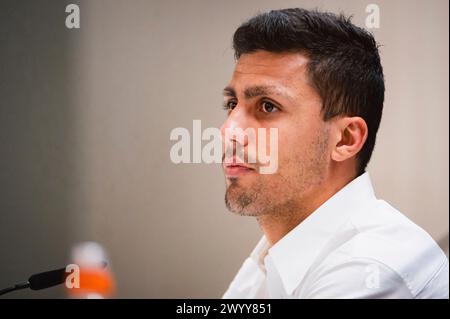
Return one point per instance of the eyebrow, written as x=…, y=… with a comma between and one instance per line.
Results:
x=229, y=91
x=253, y=91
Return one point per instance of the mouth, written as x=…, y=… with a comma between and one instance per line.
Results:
x=235, y=169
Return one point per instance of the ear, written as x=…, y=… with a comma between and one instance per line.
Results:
x=351, y=134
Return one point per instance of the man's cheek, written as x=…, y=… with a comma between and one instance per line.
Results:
x=268, y=150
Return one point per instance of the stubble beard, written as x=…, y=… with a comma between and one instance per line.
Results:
x=279, y=194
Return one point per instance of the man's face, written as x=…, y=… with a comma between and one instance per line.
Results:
x=270, y=90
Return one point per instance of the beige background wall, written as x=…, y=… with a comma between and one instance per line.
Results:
x=136, y=70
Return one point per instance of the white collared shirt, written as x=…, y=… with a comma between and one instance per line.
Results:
x=353, y=246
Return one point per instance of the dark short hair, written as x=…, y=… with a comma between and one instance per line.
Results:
x=344, y=64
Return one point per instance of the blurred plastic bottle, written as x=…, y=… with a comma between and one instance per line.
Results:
x=89, y=275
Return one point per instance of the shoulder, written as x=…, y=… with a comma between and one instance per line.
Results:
x=387, y=256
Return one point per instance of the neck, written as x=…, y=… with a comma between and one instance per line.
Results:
x=276, y=226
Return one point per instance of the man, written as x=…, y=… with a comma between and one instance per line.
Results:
x=317, y=78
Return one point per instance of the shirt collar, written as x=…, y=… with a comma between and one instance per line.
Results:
x=295, y=252
x=259, y=253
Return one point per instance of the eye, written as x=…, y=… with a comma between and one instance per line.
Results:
x=268, y=107
x=229, y=105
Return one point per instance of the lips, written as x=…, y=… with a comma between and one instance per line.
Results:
x=234, y=169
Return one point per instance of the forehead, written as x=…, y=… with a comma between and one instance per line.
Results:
x=277, y=69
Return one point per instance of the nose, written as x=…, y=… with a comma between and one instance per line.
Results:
x=233, y=129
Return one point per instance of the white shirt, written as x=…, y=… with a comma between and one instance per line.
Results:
x=353, y=246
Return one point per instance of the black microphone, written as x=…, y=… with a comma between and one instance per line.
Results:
x=47, y=279
x=42, y=280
